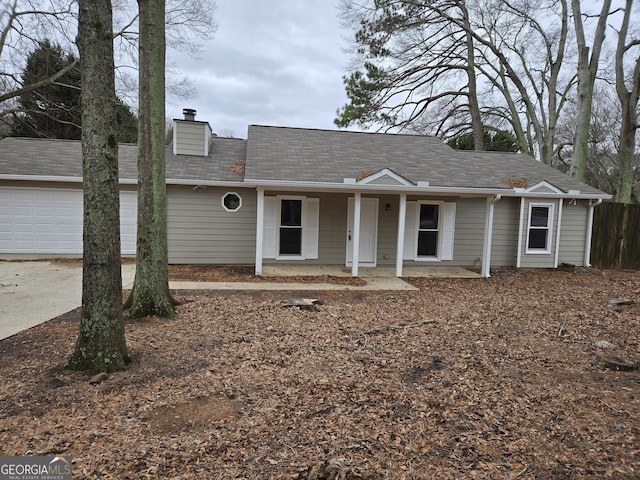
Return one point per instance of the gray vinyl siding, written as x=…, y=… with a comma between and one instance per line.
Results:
x=574, y=233
x=384, y=180
x=543, y=189
x=201, y=231
x=387, y=229
x=468, y=236
x=190, y=138
x=539, y=260
x=504, y=244
x=469, y=232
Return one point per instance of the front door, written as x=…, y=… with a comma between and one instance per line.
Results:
x=368, y=231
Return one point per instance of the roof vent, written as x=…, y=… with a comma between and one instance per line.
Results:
x=189, y=114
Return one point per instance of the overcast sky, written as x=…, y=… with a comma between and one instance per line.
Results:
x=276, y=62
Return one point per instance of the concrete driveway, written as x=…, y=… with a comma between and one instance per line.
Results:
x=33, y=292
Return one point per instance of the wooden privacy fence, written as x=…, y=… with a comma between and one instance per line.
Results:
x=616, y=236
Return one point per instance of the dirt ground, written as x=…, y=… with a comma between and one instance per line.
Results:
x=463, y=379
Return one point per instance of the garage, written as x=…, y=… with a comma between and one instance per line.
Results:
x=49, y=221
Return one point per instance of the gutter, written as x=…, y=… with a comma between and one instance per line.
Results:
x=413, y=190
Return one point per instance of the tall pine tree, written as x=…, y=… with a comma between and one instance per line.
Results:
x=53, y=110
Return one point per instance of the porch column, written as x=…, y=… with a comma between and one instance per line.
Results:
x=402, y=214
x=520, y=231
x=259, y=231
x=488, y=236
x=356, y=235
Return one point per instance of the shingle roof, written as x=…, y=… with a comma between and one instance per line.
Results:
x=63, y=158
x=303, y=155
x=307, y=155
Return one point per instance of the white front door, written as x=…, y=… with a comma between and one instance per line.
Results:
x=368, y=232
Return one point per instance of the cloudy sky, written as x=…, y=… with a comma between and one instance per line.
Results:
x=276, y=62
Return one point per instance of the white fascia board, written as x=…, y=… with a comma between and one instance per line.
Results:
x=553, y=196
x=340, y=187
x=327, y=187
x=543, y=183
x=210, y=183
x=59, y=179
x=410, y=190
x=382, y=173
x=42, y=178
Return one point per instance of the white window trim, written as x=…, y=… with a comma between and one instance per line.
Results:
x=229, y=209
x=302, y=225
x=550, y=219
x=437, y=257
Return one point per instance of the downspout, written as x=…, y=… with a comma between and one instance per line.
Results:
x=559, y=220
x=488, y=235
x=587, y=249
x=259, y=231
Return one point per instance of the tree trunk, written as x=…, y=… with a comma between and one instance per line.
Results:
x=101, y=343
x=629, y=103
x=587, y=70
x=474, y=108
x=626, y=150
x=150, y=294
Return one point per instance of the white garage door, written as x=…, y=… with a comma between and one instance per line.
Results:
x=49, y=220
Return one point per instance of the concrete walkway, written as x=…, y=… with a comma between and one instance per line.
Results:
x=387, y=283
x=32, y=292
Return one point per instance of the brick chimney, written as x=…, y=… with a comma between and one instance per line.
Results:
x=191, y=137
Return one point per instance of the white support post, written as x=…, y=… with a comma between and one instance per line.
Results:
x=259, y=231
x=402, y=214
x=357, y=207
x=587, y=241
x=488, y=236
x=520, y=230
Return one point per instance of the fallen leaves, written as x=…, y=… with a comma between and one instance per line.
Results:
x=501, y=386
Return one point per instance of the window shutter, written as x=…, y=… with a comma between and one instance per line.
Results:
x=270, y=225
x=448, y=227
x=410, y=227
x=311, y=228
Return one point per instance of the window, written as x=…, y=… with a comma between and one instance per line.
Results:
x=428, y=230
x=231, y=202
x=290, y=227
x=539, y=232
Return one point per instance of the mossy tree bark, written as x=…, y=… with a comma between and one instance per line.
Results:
x=101, y=345
x=628, y=90
x=586, y=77
x=150, y=293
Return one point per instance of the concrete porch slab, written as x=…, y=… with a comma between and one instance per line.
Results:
x=366, y=272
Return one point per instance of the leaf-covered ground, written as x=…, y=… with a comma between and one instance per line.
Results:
x=490, y=379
